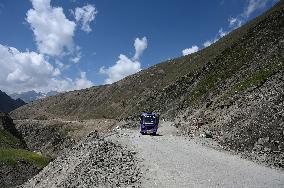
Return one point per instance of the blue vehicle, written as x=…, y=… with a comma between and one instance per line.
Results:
x=149, y=123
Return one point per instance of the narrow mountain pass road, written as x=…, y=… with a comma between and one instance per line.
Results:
x=168, y=160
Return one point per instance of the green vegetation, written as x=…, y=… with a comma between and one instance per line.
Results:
x=11, y=156
x=258, y=78
x=255, y=79
x=224, y=66
x=7, y=139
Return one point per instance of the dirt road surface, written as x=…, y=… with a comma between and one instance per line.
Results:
x=169, y=160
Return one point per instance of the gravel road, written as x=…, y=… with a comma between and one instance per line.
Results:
x=169, y=160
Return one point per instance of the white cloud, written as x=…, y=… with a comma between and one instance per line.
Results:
x=53, y=31
x=208, y=43
x=25, y=71
x=235, y=22
x=125, y=66
x=76, y=55
x=67, y=84
x=221, y=33
x=232, y=21
x=82, y=82
x=77, y=58
x=191, y=50
x=85, y=16
x=140, y=45
x=254, y=5
x=251, y=7
x=56, y=72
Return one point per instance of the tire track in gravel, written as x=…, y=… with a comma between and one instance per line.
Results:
x=175, y=161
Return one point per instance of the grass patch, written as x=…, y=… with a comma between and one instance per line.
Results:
x=11, y=156
x=223, y=67
x=255, y=80
x=7, y=139
x=259, y=77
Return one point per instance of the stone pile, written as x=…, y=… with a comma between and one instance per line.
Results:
x=94, y=162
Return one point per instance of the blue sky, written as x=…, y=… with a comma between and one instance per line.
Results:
x=73, y=44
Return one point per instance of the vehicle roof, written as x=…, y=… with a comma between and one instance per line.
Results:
x=148, y=113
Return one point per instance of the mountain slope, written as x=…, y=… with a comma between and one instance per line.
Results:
x=7, y=104
x=234, y=88
x=178, y=84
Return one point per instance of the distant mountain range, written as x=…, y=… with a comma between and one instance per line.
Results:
x=30, y=96
x=7, y=104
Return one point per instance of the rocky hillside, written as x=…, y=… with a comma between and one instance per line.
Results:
x=250, y=51
x=235, y=87
x=7, y=104
x=17, y=164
